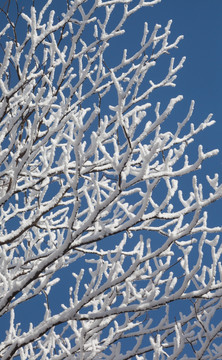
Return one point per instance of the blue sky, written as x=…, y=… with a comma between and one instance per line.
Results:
x=201, y=77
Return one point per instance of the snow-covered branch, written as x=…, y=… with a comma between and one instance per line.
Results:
x=90, y=183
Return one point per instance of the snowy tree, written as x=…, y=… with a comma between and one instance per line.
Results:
x=101, y=201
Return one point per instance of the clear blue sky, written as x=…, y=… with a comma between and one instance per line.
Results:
x=200, y=79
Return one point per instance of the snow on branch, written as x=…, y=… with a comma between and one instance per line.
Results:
x=99, y=232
